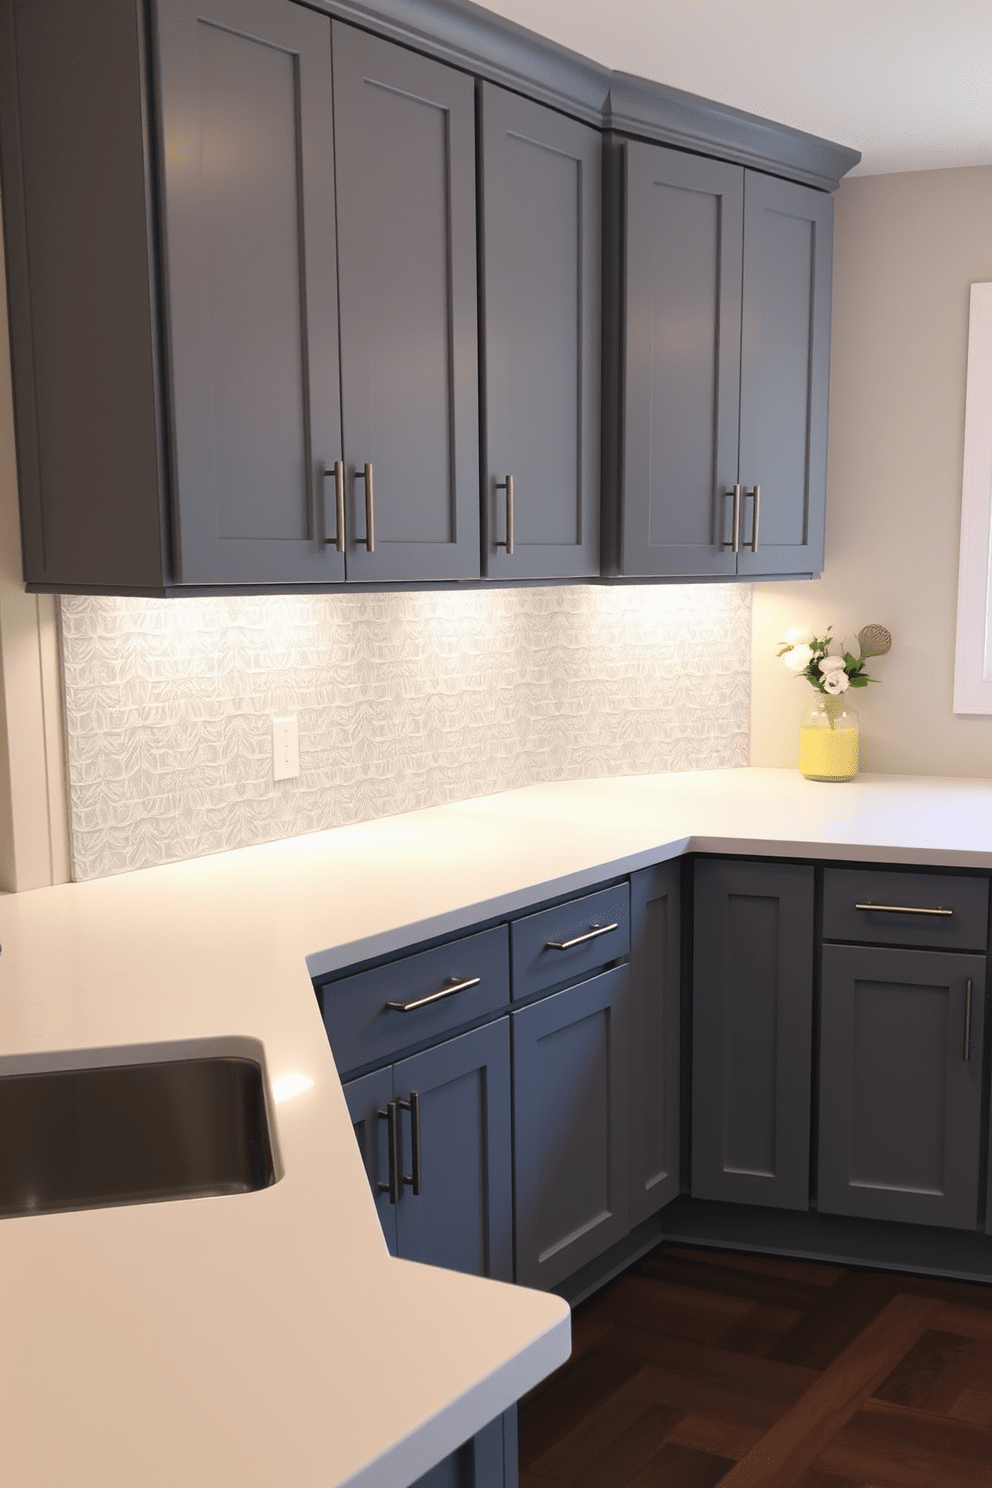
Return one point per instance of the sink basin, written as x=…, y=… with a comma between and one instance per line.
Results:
x=132, y=1134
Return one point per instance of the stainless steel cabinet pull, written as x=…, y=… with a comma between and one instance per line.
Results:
x=507, y=486
x=566, y=945
x=393, y=1187
x=967, y=1020
x=453, y=985
x=412, y=1105
x=906, y=909
x=756, y=494
x=338, y=473
x=369, y=538
x=735, y=542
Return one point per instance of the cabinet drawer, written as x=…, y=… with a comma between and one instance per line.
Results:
x=569, y=941
x=364, y=1029
x=916, y=909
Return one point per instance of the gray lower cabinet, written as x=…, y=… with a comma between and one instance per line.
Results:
x=452, y=1201
x=716, y=449
x=901, y=1064
x=488, y=1460
x=570, y=1127
x=752, y=1032
x=655, y=992
x=541, y=215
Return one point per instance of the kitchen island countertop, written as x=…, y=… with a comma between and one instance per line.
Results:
x=268, y=1336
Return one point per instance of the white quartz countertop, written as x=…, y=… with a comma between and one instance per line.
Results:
x=268, y=1336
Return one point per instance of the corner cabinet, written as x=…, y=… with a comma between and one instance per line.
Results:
x=715, y=463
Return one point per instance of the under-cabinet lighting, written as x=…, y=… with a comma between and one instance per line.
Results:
x=287, y=1086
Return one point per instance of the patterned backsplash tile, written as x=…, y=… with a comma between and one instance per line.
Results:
x=403, y=700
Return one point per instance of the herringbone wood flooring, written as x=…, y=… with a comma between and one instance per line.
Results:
x=701, y=1367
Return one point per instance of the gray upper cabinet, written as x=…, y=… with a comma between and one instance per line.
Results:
x=716, y=458
x=681, y=369
x=250, y=289
x=785, y=370
x=292, y=304
x=177, y=348
x=541, y=214
x=405, y=153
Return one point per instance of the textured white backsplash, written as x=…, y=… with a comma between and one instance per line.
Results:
x=404, y=701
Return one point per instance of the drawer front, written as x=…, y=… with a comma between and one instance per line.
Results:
x=569, y=941
x=364, y=1029
x=916, y=909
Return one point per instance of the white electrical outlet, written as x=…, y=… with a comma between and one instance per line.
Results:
x=285, y=748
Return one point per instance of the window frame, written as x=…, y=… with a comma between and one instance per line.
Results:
x=973, y=649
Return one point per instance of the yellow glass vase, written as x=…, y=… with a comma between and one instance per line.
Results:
x=828, y=739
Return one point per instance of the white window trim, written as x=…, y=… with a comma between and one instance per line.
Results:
x=973, y=652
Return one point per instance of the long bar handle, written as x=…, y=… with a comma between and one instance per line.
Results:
x=454, y=984
x=393, y=1187
x=735, y=542
x=906, y=909
x=369, y=538
x=966, y=1054
x=507, y=486
x=337, y=470
x=756, y=496
x=414, y=1179
x=593, y=934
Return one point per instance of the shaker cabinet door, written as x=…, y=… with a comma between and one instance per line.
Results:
x=901, y=1055
x=723, y=331
x=250, y=289
x=459, y=1141
x=570, y=1124
x=541, y=215
x=405, y=157
x=785, y=366
x=752, y=1032
x=681, y=373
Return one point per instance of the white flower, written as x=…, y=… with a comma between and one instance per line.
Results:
x=835, y=682
x=799, y=635
x=798, y=659
x=830, y=664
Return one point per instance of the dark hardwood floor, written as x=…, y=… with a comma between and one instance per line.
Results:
x=704, y=1367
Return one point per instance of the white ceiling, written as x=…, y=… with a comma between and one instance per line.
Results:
x=906, y=82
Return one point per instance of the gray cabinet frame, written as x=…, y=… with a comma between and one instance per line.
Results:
x=655, y=1036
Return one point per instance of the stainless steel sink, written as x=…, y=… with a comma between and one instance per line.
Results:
x=132, y=1134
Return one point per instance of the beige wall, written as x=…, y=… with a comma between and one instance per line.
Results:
x=907, y=248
